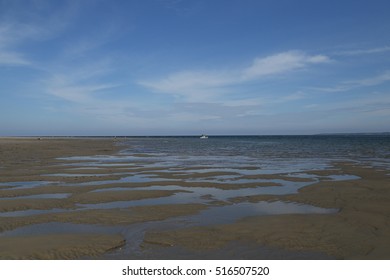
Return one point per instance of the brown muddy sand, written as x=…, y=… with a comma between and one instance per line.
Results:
x=358, y=229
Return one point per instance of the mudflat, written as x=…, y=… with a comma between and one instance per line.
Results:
x=70, y=198
x=27, y=166
x=359, y=230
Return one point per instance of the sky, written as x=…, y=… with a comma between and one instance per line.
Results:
x=191, y=67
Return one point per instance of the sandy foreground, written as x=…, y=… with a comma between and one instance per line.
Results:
x=360, y=229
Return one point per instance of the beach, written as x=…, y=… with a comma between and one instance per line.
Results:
x=118, y=198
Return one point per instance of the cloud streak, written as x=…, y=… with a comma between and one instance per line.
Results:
x=33, y=23
x=12, y=58
x=79, y=85
x=7, y=56
x=355, y=84
x=280, y=63
x=364, y=51
x=197, y=85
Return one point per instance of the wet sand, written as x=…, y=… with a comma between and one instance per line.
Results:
x=25, y=160
x=59, y=246
x=40, y=183
x=360, y=230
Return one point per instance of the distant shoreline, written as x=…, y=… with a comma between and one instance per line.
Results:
x=191, y=136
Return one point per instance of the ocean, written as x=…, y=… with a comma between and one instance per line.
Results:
x=280, y=153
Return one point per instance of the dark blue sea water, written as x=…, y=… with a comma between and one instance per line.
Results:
x=266, y=150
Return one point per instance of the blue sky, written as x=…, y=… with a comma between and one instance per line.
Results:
x=171, y=67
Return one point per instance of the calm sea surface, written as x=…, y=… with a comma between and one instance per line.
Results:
x=265, y=150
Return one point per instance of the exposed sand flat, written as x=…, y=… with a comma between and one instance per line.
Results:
x=360, y=230
x=37, y=204
x=58, y=246
x=24, y=158
x=83, y=198
x=45, y=189
x=28, y=150
x=105, y=217
x=31, y=167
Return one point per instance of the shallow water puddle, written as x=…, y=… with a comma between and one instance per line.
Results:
x=231, y=213
x=60, y=228
x=26, y=185
x=127, y=179
x=30, y=212
x=85, y=174
x=134, y=233
x=97, y=165
x=343, y=177
x=195, y=194
x=286, y=187
x=178, y=198
x=39, y=196
x=198, y=195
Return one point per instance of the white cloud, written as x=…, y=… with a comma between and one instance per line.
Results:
x=191, y=117
x=364, y=51
x=198, y=85
x=183, y=81
x=76, y=93
x=372, y=104
x=26, y=24
x=280, y=63
x=12, y=58
x=354, y=84
x=384, y=77
x=78, y=83
x=245, y=102
x=7, y=56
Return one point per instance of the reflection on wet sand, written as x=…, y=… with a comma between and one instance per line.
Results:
x=146, y=198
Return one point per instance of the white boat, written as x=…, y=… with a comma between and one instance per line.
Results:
x=204, y=136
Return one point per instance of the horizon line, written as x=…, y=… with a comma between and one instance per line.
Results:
x=193, y=135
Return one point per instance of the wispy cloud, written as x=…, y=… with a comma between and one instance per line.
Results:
x=372, y=104
x=197, y=85
x=79, y=85
x=364, y=51
x=74, y=92
x=12, y=58
x=354, y=84
x=68, y=71
x=8, y=56
x=280, y=63
x=30, y=22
